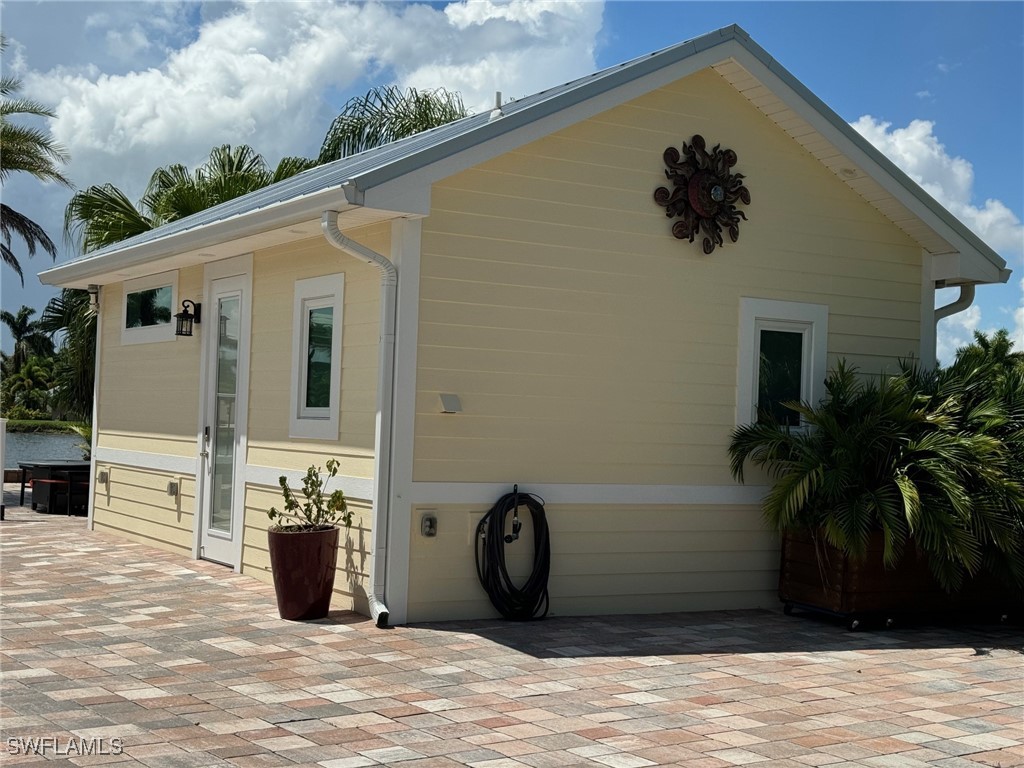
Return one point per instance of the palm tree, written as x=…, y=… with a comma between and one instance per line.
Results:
x=102, y=215
x=29, y=388
x=74, y=366
x=888, y=457
x=386, y=114
x=29, y=337
x=25, y=150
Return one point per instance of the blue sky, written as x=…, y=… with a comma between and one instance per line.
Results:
x=939, y=87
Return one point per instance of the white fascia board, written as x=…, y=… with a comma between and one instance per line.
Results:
x=99, y=268
x=843, y=137
x=957, y=268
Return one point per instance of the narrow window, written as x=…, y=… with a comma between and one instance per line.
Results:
x=780, y=374
x=316, y=357
x=317, y=383
x=782, y=349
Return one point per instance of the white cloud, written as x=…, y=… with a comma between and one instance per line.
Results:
x=950, y=180
x=258, y=74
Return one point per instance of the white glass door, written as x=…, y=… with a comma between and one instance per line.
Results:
x=226, y=336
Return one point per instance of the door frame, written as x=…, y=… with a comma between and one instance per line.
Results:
x=237, y=266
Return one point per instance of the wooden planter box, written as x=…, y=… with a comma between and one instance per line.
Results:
x=817, y=576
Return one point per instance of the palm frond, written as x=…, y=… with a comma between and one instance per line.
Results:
x=386, y=114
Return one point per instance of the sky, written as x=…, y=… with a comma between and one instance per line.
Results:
x=938, y=87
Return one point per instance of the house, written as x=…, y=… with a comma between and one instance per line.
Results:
x=521, y=263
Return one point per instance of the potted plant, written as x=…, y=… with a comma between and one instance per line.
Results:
x=892, y=495
x=303, y=542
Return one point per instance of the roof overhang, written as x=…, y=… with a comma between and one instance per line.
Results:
x=289, y=221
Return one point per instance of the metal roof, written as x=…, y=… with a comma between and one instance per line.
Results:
x=358, y=173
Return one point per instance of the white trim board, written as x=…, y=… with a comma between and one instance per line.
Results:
x=354, y=487
x=159, y=462
x=579, y=493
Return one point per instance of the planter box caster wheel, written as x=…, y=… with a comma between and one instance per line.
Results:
x=854, y=624
x=787, y=609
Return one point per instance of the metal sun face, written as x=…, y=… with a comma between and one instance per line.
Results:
x=704, y=193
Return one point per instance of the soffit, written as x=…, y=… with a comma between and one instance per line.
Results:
x=845, y=169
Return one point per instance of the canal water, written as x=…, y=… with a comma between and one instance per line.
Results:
x=32, y=446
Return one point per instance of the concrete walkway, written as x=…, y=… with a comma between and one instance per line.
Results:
x=130, y=654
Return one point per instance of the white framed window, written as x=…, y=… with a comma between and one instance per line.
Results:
x=148, y=308
x=316, y=357
x=782, y=356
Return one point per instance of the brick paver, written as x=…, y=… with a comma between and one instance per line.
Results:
x=187, y=664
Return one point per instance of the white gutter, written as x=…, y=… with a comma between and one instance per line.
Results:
x=385, y=399
x=962, y=303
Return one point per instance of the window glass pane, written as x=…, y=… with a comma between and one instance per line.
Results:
x=318, y=368
x=779, y=376
x=149, y=307
x=227, y=393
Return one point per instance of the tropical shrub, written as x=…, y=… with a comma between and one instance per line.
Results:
x=928, y=459
x=320, y=510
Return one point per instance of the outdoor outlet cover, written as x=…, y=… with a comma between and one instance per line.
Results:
x=172, y=488
x=428, y=525
x=450, y=403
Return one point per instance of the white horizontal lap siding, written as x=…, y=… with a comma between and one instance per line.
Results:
x=668, y=558
x=586, y=343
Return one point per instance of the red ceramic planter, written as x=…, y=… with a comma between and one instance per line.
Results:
x=303, y=564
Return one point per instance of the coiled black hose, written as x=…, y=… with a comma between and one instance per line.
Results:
x=515, y=603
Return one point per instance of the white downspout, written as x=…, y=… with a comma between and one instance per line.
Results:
x=385, y=400
x=94, y=305
x=962, y=303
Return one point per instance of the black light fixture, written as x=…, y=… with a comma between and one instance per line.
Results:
x=185, y=319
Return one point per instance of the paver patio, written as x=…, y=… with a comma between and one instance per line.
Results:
x=187, y=664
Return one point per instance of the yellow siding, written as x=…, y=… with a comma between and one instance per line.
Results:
x=149, y=393
x=590, y=346
x=275, y=271
x=604, y=559
x=134, y=503
x=150, y=402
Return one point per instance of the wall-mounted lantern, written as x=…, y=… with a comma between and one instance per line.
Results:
x=185, y=319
